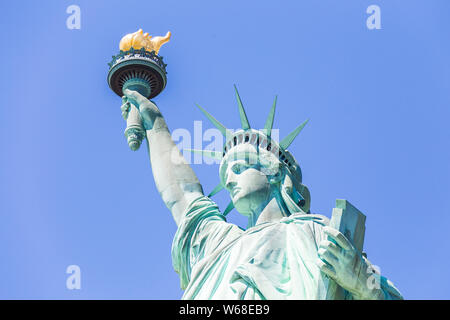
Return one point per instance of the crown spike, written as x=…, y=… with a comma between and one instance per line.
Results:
x=244, y=120
x=286, y=142
x=228, y=208
x=269, y=122
x=216, y=190
x=225, y=132
x=208, y=153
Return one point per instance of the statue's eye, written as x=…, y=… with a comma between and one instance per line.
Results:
x=239, y=168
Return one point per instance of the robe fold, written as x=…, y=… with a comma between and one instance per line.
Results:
x=273, y=260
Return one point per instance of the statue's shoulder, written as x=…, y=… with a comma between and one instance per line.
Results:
x=310, y=224
x=200, y=206
x=314, y=218
x=320, y=218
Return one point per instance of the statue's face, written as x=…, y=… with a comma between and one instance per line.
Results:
x=247, y=182
x=249, y=188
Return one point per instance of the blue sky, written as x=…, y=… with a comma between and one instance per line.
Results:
x=71, y=191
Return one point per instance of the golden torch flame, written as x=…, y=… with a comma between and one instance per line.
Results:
x=139, y=40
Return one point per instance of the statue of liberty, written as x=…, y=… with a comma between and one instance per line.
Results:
x=286, y=252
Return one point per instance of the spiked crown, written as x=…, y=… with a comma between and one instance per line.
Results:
x=263, y=143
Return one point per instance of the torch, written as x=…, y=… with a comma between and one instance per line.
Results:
x=138, y=67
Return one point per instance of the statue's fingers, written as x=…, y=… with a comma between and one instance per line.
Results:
x=337, y=236
x=125, y=110
x=330, y=246
x=328, y=257
x=125, y=107
x=135, y=96
x=326, y=268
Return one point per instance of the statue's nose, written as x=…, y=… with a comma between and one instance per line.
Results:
x=231, y=181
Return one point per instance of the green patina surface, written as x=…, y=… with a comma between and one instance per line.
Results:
x=286, y=252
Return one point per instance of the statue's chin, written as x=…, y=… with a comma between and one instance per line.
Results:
x=246, y=201
x=241, y=204
x=244, y=204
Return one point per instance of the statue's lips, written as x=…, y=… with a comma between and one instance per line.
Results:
x=234, y=191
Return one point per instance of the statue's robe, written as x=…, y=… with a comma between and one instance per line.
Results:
x=274, y=260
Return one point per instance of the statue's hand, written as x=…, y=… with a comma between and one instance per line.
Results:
x=126, y=107
x=147, y=109
x=344, y=264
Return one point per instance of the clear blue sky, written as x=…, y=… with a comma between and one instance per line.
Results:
x=71, y=191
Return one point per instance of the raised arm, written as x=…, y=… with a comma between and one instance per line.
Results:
x=175, y=180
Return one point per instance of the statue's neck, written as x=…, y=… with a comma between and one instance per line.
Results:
x=272, y=211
